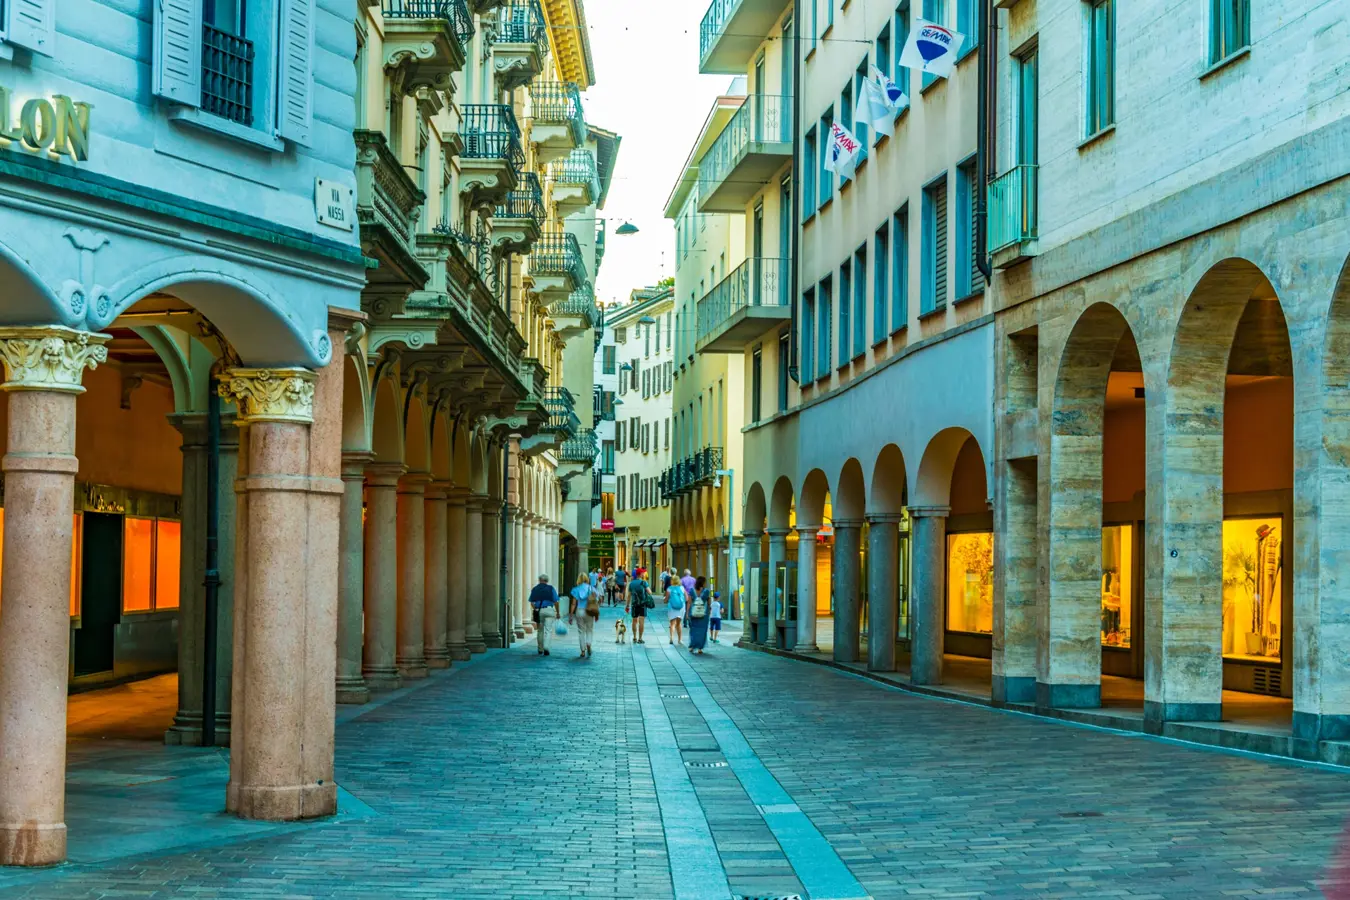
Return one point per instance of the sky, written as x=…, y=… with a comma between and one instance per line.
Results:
x=647, y=89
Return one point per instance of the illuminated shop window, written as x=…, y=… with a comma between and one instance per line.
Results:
x=75, y=553
x=970, y=582
x=1252, y=589
x=150, y=561
x=1117, y=584
x=168, y=545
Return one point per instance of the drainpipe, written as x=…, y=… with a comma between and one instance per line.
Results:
x=794, y=371
x=212, y=580
x=988, y=33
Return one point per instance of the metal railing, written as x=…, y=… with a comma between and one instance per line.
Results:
x=490, y=132
x=559, y=103
x=581, y=448
x=762, y=119
x=523, y=22
x=478, y=251
x=758, y=281
x=691, y=472
x=714, y=24
x=558, y=253
x=577, y=167
x=227, y=75
x=456, y=12
x=1012, y=207
x=597, y=488
x=581, y=303
x=561, y=408
x=525, y=202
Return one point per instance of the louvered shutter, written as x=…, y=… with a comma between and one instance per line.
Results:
x=295, y=113
x=976, y=276
x=177, y=69
x=940, y=246
x=31, y=24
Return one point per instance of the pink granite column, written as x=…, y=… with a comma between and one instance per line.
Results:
x=351, y=684
x=381, y=586
x=492, y=573
x=412, y=575
x=457, y=595
x=43, y=369
x=473, y=544
x=436, y=620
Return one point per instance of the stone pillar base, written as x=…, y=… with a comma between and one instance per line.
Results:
x=477, y=646
x=1013, y=689
x=493, y=641
x=31, y=844
x=529, y=627
x=286, y=804
x=186, y=730
x=1068, y=696
x=352, y=691
x=1156, y=713
x=382, y=679
x=459, y=652
x=438, y=658
x=1320, y=727
x=412, y=669
x=807, y=648
x=519, y=632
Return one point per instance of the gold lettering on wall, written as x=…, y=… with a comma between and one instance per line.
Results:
x=55, y=127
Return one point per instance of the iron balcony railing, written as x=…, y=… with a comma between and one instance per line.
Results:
x=1012, y=207
x=762, y=119
x=577, y=167
x=691, y=472
x=559, y=103
x=525, y=202
x=581, y=303
x=478, y=250
x=597, y=488
x=227, y=75
x=490, y=132
x=558, y=253
x=580, y=448
x=758, y=281
x=523, y=22
x=714, y=25
x=561, y=408
x=456, y=12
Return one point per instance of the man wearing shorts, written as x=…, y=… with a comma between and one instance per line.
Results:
x=637, y=604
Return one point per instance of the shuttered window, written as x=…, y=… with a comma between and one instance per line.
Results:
x=934, y=246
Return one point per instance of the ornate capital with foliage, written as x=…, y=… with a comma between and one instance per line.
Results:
x=49, y=357
x=271, y=395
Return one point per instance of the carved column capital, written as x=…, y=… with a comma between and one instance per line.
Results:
x=49, y=357
x=271, y=395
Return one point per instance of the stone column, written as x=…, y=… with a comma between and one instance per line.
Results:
x=412, y=575
x=847, y=602
x=521, y=573
x=457, y=595
x=187, y=722
x=492, y=573
x=351, y=684
x=806, y=588
x=777, y=557
x=43, y=370
x=1016, y=631
x=435, y=620
x=473, y=548
x=749, y=599
x=381, y=585
x=883, y=602
x=928, y=549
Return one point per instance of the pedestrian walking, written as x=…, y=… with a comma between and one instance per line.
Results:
x=621, y=585
x=544, y=599
x=687, y=582
x=595, y=579
x=665, y=580
x=582, y=612
x=609, y=587
x=675, y=609
x=636, y=606
x=715, y=618
x=697, y=619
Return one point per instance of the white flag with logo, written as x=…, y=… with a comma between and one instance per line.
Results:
x=874, y=110
x=932, y=48
x=892, y=92
x=841, y=154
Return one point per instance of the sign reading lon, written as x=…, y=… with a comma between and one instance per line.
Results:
x=57, y=127
x=333, y=204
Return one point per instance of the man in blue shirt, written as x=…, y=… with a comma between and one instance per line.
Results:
x=544, y=599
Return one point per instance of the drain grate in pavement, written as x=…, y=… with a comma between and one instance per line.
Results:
x=709, y=764
x=768, y=897
x=676, y=696
x=1081, y=815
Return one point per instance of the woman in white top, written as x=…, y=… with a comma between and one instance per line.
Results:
x=675, y=609
x=577, y=615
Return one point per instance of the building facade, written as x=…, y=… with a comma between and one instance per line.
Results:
x=604, y=550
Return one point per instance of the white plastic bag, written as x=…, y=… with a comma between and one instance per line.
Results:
x=560, y=628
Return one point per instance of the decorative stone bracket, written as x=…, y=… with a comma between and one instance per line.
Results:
x=271, y=395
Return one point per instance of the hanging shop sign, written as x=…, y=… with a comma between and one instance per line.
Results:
x=58, y=126
x=606, y=524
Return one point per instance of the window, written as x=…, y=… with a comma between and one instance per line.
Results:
x=1118, y=556
x=1028, y=100
x=934, y=247
x=825, y=317
x=1101, y=65
x=829, y=14
x=621, y=335
x=881, y=255
x=647, y=438
x=1253, y=587
x=809, y=174
x=826, y=176
x=808, y=325
x=618, y=434
x=934, y=11
x=784, y=350
x=845, y=320
x=859, y=301
x=150, y=564
x=667, y=430
x=756, y=383
x=607, y=457
x=846, y=119
x=647, y=340
x=620, y=498
x=608, y=358
x=970, y=582
x=395, y=131
x=815, y=21
x=860, y=77
x=636, y=367
x=900, y=269
x=882, y=55
x=668, y=332
x=969, y=278
x=968, y=23
x=898, y=41
x=658, y=334
x=1230, y=28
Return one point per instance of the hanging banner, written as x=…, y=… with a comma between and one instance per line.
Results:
x=841, y=156
x=932, y=48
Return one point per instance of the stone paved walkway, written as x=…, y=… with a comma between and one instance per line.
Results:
x=523, y=777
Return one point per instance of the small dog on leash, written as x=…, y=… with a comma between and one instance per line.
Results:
x=620, y=632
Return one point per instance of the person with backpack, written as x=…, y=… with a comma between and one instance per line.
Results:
x=638, y=600
x=583, y=612
x=715, y=618
x=700, y=608
x=675, y=609
x=621, y=586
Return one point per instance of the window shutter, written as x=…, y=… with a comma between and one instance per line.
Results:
x=295, y=113
x=940, y=246
x=177, y=67
x=32, y=24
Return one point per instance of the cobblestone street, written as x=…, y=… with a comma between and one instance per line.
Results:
x=645, y=773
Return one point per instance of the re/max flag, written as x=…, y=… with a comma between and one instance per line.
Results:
x=932, y=48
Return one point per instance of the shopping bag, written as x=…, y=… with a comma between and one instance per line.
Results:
x=560, y=629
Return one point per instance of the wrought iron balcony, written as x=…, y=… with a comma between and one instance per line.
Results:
x=562, y=416
x=581, y=448
x=427, y=40
x=1012, y=208
x=525, y=202
x=577, y=168
x=456, y=12
x=742, y=306
x=523, y=22
x=227, y=75
x=490, y=132
x=559, y=103
x=754, y=145
x=558, y=253
x=691, y=472
x=477, y=250
x=581, y=304
x=597, y=488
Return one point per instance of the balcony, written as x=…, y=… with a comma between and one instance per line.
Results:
x=690, y=473
x=425, y=42
x=388, y=203
x=476, y=252
x=732, y=31
x=756, y=143
x=492, y=159
x=562, y=416
x=556, y=266
x=575, y=182
x=517, y=221
x=521, y=45
x=580, y=449
x=578, y=312
x=1012, y=216
x=557, y=123
x=750, y=301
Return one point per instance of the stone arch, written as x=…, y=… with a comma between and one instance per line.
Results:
x=461, y=467
x=188, y=396
x=442, y=453
x=494, y=470
x=815, y=494
x=28, y=300
x=386, y=440
x=755, y=512
x=478, y=472
x=850, y=500
x=888, y=482
x=780, y=507
x=357, y=404
x=933, y=485
x=416, y=432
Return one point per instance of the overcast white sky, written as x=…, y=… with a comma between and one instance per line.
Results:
x=648, y=89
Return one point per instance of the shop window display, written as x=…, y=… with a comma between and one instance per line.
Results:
x=970, y=582
x=1252, y=588
x=1117, y=584
x=151, y=551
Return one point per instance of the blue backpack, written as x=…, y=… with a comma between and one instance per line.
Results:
x=677, y=599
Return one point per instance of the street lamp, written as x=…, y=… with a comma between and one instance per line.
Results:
x=731, y=551
x=626, y=229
